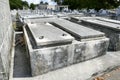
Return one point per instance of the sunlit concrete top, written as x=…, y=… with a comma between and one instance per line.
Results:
x=76, y=30
x=109, y=20
x=47, y=34
x=113, y=24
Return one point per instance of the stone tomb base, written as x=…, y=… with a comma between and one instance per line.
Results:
x=56, y=54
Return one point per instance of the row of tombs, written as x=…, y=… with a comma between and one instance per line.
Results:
x=55, y=43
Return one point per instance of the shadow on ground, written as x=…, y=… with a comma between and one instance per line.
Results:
x=21, y=60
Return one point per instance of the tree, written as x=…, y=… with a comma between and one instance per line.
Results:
x=32, y=6
x=18, y=4
x=88, y=4
x=41, y=2
x=46, y=3
x=25, y=4
x=59, y=2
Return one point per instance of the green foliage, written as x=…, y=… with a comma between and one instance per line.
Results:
x=25, y=4
x=41, y=2
x=58, y=2
x=46, y=3
x=89, y=4
x=73, y=4
x=18, y=4
x=32, y=6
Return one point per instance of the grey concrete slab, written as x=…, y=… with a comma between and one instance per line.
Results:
x=74, y=19
x=47, y=34
x=82, y=71
x=109, y=20
x=79, y=31
x=104, y=23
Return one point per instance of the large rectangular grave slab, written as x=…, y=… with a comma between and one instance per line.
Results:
x=46, y=34
x=79, y=31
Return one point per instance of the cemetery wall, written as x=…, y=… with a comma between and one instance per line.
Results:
x=6, y=33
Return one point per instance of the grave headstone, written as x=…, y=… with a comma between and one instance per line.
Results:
x=118, y=13
x=103, y=12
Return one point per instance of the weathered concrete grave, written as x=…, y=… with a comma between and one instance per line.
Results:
x=103, y=13
x=55, y=43
x=110, y=27
x=118, y=13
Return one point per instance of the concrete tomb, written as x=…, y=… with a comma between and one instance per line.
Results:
x=103, y=12
x=55, y=43
x=111, y=28
x=118, y=13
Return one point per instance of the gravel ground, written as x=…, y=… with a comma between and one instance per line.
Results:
x=113, y=75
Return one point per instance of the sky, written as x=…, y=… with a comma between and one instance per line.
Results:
x=38, y=1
